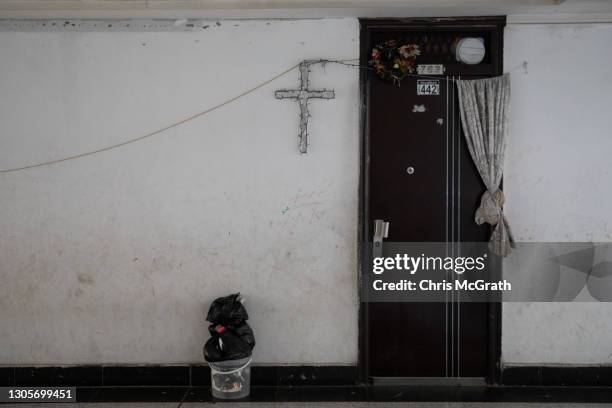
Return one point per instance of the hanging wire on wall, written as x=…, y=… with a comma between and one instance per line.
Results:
x=346, y=62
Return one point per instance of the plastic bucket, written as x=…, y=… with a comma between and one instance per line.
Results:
x=231, y=379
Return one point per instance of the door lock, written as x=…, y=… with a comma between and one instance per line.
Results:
x=381, y=231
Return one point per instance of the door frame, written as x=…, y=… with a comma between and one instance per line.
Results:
x=495, y=25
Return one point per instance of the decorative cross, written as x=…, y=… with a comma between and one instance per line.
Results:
x=303, y=95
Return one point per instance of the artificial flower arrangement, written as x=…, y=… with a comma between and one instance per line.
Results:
x=393, y=61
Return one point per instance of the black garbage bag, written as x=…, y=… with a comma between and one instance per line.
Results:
x=243, y=331
x=231, y=338
x=212, y=351
x=227, y=310
x=228, y=343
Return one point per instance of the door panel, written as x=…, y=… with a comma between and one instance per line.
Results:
x=401, y=139
x=407, y=339
x=436, y=203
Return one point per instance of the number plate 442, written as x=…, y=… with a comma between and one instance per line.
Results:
x=428, y=87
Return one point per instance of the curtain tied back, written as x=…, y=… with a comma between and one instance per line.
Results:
x=484, y=117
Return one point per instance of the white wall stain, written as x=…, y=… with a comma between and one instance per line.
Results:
x=112, y=25
x=556, y=179
x=165, y=226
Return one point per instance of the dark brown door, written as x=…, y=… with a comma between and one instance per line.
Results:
x=419, y=177
x=408, y=148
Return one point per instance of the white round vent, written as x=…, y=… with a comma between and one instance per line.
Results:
x=470, y=50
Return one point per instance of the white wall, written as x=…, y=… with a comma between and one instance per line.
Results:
x=558, y=179
x=525, y=10
x=114, y=258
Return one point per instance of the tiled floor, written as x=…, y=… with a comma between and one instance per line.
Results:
x=421, y=394
x=346, y=397
x=311, y=405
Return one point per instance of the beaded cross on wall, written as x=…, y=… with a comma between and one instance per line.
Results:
x=303, y=96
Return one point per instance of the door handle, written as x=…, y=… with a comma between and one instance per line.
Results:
x=381, y=231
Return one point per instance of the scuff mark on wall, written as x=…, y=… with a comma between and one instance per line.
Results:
x=108, y=25
x=204, y=224
x=85, y=279
x=546, y=204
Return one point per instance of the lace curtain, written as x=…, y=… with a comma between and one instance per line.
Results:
x=484, y=117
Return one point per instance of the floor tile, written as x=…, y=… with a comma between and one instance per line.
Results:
x=140, y=394
x=146, y=375
x=320, y=394
x=58, y=376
